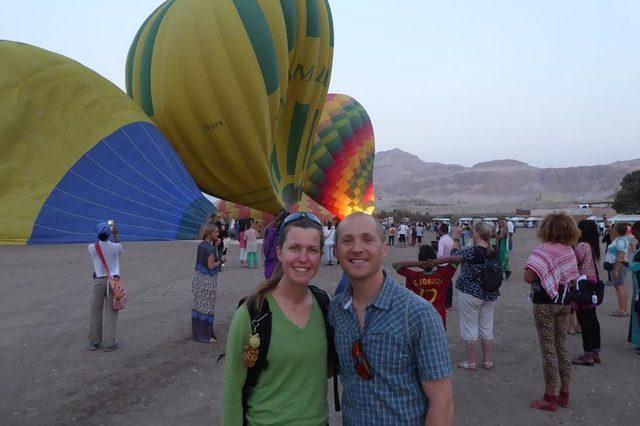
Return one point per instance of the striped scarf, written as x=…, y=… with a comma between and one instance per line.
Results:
x=555, y=264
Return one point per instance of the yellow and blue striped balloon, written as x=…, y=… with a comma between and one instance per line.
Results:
x=76, y=151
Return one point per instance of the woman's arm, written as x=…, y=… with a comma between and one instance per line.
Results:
x=410, y=264
x=529, y=275
x=443, y=260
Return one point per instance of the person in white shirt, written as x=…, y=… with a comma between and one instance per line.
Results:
x=329, y=234
x=445, y=243
x=103, y=319
x=512, y=230
x=402, y=234
x=419, y=231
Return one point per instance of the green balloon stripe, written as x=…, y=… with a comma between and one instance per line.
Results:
x=132, y=53
x=290, y=10
x=313, y=19
x=257, y=29
x=147, y=54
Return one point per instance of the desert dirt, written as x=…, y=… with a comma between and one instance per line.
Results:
x=160, y=376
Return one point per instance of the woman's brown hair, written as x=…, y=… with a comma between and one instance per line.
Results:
x=259, y=294
x=208, y=228
x=558, y=228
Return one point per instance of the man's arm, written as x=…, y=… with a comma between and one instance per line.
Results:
x=440, y=395
x=409, y=264
x=449, y=259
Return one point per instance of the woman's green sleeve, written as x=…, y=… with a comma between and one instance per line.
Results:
x=235, y=372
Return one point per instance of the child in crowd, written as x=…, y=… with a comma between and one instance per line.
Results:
x=432, y=284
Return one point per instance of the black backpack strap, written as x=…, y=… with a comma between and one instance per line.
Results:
x=332, y=356
x=261, y=324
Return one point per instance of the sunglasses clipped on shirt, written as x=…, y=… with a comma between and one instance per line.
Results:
x=361, y=364
x=300, y=215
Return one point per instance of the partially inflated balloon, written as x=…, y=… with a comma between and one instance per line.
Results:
x=340, y=174
x=306, y=204
x=237, y=86
x=231, y=210
x=76, y=151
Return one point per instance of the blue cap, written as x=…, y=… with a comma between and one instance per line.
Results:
x=103, y=228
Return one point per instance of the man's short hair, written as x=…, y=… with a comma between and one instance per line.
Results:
x=444, y=228
x=379, y=226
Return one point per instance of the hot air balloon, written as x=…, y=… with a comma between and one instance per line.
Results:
x=76, y=151
x=340, y=174
x=230, y=210
x=237, y=87
x=306, y=204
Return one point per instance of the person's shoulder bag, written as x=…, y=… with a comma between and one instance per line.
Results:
x=114, y=284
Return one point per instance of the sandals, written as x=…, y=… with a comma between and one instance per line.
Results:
x=619, y=314
x=467, y=365
x=487, y=365
x=583, y=360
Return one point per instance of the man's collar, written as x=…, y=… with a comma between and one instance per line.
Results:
x=382, y=301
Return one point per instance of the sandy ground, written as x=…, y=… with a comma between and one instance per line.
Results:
x=160, y=376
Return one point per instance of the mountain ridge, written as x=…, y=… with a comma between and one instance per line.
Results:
x=400, y=176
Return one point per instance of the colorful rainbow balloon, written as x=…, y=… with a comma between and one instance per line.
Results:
x=76, y=151
x=340, y=174
x=237, y=86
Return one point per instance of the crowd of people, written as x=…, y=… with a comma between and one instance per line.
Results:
x=388, y=338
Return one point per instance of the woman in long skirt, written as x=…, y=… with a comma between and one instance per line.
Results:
x=205, y=285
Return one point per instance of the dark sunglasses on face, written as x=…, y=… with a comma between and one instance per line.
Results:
x=361, y=364
x=300, y=215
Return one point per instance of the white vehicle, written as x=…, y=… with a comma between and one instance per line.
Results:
x=490, y=220
x=532, y=222
x=518, y=221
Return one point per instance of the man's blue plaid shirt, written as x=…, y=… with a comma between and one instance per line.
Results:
x=400, y=357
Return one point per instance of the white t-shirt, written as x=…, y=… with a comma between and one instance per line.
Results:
x=111, y=252
x=329, y=236
x=419, y=231
x=402, y=230
x=510, y=227
x=444, y=246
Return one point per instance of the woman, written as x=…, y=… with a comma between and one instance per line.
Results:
x=616, y=262
x=503, y=247
x=329, y=235
x=294, y=387
x=243, y=247
x=104, y=332
x=251, y=238
x=476, y=305
x=587, y=256
x=204, y=285
x=551, y=269
x=634, y=267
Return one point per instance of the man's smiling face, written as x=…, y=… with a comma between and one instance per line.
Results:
x=359, y=246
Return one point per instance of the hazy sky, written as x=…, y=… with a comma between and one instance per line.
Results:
x=548, y=82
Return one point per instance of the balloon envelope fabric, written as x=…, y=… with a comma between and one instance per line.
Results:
x=340, y=174
x=237, y=86
x=231, y=210
x=76, y=151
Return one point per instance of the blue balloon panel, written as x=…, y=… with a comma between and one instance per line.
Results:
x=132, y=176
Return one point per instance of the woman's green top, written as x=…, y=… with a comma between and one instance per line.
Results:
x=292, y=390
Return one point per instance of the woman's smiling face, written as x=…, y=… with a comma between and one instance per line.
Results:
x=300, y=254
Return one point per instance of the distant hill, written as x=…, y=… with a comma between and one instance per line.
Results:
x=400, y=176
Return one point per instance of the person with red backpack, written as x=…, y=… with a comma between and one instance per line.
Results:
x=282, y=326
x=103, y=319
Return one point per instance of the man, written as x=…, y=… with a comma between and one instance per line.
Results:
x=395, y=365
x=512, y=230
x=402, y=234
x=445, y=243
